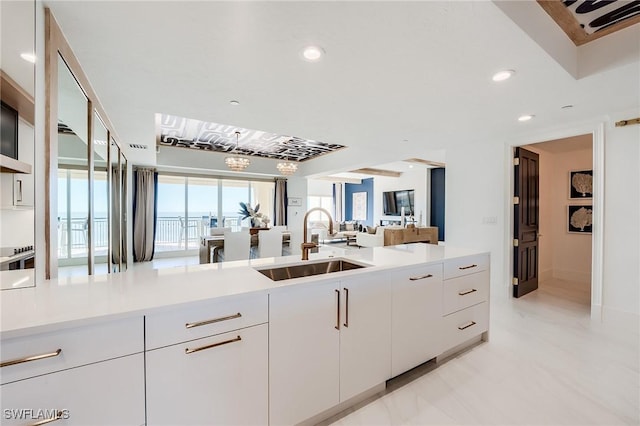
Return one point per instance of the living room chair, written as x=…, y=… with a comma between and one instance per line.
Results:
x=364, y=239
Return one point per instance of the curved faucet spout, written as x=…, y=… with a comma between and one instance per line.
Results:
x=306, y=246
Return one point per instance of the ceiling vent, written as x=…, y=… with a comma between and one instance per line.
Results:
x=138, y=146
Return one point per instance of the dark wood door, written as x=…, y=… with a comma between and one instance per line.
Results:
x=526, y=221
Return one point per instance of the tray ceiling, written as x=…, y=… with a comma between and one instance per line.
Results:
x=200, y=135
x=587, y=20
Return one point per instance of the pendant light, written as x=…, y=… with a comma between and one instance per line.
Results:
x=236, y=162
x=286, y=167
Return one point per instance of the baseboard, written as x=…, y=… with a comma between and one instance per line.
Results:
x=576, y=276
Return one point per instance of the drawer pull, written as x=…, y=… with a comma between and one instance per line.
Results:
x=462, y=268
x=421, y=277
x=202, y=348
x=462, y=293
x=467, y=325
x=212, y=321
x=30, y=358
x=337, y=326
x=57, y=417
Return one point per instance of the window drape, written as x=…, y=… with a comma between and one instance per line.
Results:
x=144, y=213
x=280, y=203
x=337, y=202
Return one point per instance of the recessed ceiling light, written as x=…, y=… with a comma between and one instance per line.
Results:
x=411, y=166
x=405, y=140
x=567, y=106
x=29, y=57
x=526, y=117
x=503, y=75
x=312, y=53
x=234, y=103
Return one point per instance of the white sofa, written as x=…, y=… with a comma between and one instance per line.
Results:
x=364, y=239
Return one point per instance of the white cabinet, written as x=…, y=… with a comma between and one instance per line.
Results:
x=327, y=343
x=105, y=393
x=207, y=363
x=365, y=334
x=217, y=380
x=417, y=317
x=304, y=343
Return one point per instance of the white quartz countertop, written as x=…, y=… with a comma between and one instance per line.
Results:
x=68, y=302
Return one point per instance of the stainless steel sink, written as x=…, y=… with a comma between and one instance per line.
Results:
x=309, y=269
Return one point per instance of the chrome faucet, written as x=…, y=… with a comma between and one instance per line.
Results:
x=306, y=246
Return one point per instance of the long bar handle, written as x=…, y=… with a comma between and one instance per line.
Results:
x=57, y=417
x=212, y=321
x=421, y=277
x=472, y=323
x=213, y=345
x=462, y=293
x=467, y=267
x=31, y=358
x=346, y=309
x=337, y=326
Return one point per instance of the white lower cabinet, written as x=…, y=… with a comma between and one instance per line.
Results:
x=216, y=380
x=327, y=343
x=416, y=317
x=105, y=393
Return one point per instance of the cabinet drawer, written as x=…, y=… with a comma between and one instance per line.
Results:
x=106, y=393
x=464, y=325
x=465, y=266
x=419, y=274
x=462, y=292
x=59, y=350
x=223, y=380
x=203, y=319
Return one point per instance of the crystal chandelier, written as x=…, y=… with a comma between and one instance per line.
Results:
x=287, y=168
x=237, y=163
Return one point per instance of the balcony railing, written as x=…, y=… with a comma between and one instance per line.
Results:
x=172, y=234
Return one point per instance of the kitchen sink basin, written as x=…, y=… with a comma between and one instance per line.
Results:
x=308, y=269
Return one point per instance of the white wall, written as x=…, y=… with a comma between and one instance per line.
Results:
x=319, y=187
x=415, y=179
x=296, y=188
x=621, y=289
x=478, y=184
x=475, y=189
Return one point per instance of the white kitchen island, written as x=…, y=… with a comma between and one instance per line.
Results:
x=224, y=344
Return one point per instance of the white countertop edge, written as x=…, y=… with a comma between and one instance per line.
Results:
x=49, y=306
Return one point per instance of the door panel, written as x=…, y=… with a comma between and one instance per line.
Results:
x=526, y=222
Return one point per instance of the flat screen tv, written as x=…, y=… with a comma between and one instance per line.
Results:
x=393, y=201
x=9, y=132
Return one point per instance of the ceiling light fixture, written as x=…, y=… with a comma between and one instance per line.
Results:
x=29, y=57
x=312, y=53
x=503, y=75
x=286, y=167
x=234, y=103
x=525, y=117
x=236, y=162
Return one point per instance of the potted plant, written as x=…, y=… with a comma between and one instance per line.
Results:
x=258, y=220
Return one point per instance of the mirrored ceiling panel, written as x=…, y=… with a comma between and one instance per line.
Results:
x=200, y=135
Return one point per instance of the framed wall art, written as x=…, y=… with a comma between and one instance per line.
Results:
x=359, y=206
x=581, y=184
x=579, y=219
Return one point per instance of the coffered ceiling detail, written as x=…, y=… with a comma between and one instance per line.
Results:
x=587, y=20
x=206, y=136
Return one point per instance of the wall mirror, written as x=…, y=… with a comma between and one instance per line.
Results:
x=17, y=82
x=72, y=218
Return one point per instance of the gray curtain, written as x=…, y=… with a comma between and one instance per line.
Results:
x=280, y=203
x=337, y=202
x=144, y=214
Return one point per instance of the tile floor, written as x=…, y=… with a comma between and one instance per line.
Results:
x=547, y=363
